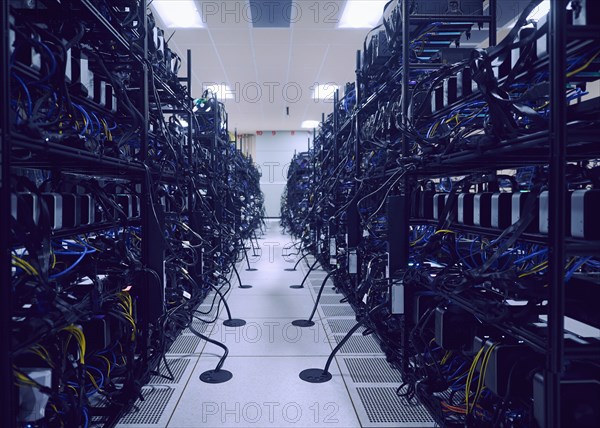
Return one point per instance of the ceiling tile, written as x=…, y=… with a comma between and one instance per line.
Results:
x=190, y=37
x=317, y=14
x=230, y=37
x=283, y=64
x=271, y=36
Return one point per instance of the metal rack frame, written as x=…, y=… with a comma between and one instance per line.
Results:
x=80, y=161
x=548, y=147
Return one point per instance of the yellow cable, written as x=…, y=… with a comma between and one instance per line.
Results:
x=482, y=372
x=584, y=66
x=74, y=389
x=94, y=381
x=445, y=231
x=107, y=365
x=435, y=127
x=30, y=268
x=80, y=337
x=23, y=267
x=470, y=375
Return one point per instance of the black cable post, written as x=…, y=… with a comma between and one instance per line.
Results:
x=229, y=322
x=249, y=269
x=309, y=322
x=297, y=263
x=305, y=276
x=253, y=247
x=218, y=375
x=323, y=375
x=237, y=274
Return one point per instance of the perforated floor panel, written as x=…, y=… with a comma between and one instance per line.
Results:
x=177, y=366
x=383, y=406
x=205, y=311
x=358, y=345
x=184, y=345
x=199, y=326
x=371, y=370
x=149, y=411
x=332, y=299
x=337, y=310
x=317, y=281
x=326, y=290
x=318, y=276
x=343, y=325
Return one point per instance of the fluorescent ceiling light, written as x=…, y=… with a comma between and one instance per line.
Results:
x=310, y=124
x=223, y=92
x=362, y=13
x=539, y=11
x=324, y=92
x=179, y=13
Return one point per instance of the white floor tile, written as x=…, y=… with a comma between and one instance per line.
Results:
x=293, y=305
x=272, y=337
x=268, y=353
x=265, y=392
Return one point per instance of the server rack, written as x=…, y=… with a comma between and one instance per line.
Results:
x=414, y=211
x=154, y=193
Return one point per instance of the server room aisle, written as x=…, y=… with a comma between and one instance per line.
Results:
x=266, y=356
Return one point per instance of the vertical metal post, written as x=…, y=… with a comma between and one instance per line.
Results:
x=332, y=229
x=405, y=72
x=357, y=121
x=556, y=242
x=353, y=218
x=493, y=23
x=7, y=416
x=404, y=204
x=336, y=127
x=147, y=221
x=314, y=147
x=190, y=133
x=399, y=225
x=322, y=137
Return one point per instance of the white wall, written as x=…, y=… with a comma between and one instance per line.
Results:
x=273, y=156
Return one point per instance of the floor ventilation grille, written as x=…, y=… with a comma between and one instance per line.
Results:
x=358, y=345
x=337, y=310
x=149, y=411
x=382, y=405
x=343, y=325
x=333, y=299
x=371, y=370
x=184, y=344
x=177, y=366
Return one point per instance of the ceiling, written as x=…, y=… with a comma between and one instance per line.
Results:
x=272, y=69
